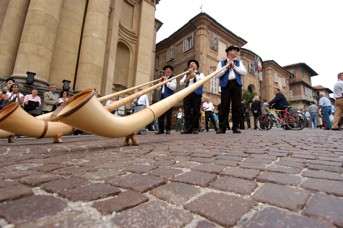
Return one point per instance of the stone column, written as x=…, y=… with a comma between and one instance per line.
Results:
x=10, y=33
x=145, y=44
x=91, y=61
x=38, y=38
x=111, y=48
x=3, y=9
x=67, y=44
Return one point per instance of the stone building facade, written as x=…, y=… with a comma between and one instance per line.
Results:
x=274, y=77
x=101, y=44
x=301, y=90
x=253, y=79
x=202, y=38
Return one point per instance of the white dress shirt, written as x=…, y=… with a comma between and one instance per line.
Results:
x=338, y=89
x=171, y=85
x=29, y=97
x=143, y=100
x=324, y=102
x=198, y=77
x=240, y=70
x=14, y=97
x=208, y=107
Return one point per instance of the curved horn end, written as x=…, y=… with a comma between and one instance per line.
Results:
x=75, y=103
x=8, y=110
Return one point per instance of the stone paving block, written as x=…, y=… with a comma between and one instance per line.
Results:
x=291, y=164
x=38, y=179
x=320, y=174
x=229, y=158
x=236, y=185
x=279, y=178
x=14, y=191
x=281, y=196
x=185, y=164
x=326, y=207
x=137, y=182
x=61, y=185
x=335, y=169
x=153, y=214
x=176, y=193
x=90, y=192
x=205, y=224
x=209, y=168
x=196, y=178
x=30, y=208
x=6, y=183
x=249, y=165
x=249, y=174
x=329, y=186
x=166, y=172
x=120, y=202
x=283, y=169
x=223, y=209
x=140, y=168
x=226, y=163
x=48, y=167
x=202, y=160
x=276, y=218
x=326, y=163
x=67, y=219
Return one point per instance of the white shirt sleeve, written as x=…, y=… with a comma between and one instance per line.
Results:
x=201, y=77
x=182, y=81
x=222, y=72
x=147, y=103
x=241, y=69
x=172, y=84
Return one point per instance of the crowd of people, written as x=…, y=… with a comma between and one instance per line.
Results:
x=195, y=107
x=198, y=113
x=32, y=102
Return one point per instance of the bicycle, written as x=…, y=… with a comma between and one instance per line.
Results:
x=288, y=119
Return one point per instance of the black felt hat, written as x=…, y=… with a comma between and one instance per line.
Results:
x=168, y=66
x=193, y=61
x=232, y=48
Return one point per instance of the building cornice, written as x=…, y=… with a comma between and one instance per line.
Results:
x=195, y=22
x=302, y=65
x=276, y=65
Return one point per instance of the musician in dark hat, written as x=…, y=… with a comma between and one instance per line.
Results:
x=192, y=102
x=164, y=122
x=231, y=89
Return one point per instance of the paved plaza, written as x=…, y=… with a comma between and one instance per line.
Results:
x=257, y=179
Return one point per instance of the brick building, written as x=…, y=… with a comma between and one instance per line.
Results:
x=274, y=77
x=301, y=90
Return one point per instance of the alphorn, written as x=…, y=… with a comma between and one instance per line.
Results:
x=14, y=120
x=85, y=112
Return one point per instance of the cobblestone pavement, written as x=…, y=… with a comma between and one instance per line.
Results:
x=257, y=179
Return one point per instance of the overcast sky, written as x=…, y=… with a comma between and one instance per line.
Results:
x=288, y=32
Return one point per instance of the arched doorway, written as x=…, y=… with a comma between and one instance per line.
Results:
x=251, y=88
x=122, y=66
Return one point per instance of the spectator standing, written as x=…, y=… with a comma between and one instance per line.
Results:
x=313, y=110
x=50, y=99
x=179, y=120
x=208, y=108
x=256, y=109
x=338, y=93
x=32, y=103
x=325, y=107
x=2, y=99
x=14, y=95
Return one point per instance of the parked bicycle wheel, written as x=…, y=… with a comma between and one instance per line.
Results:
x=266, y=123
x=295, y=120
